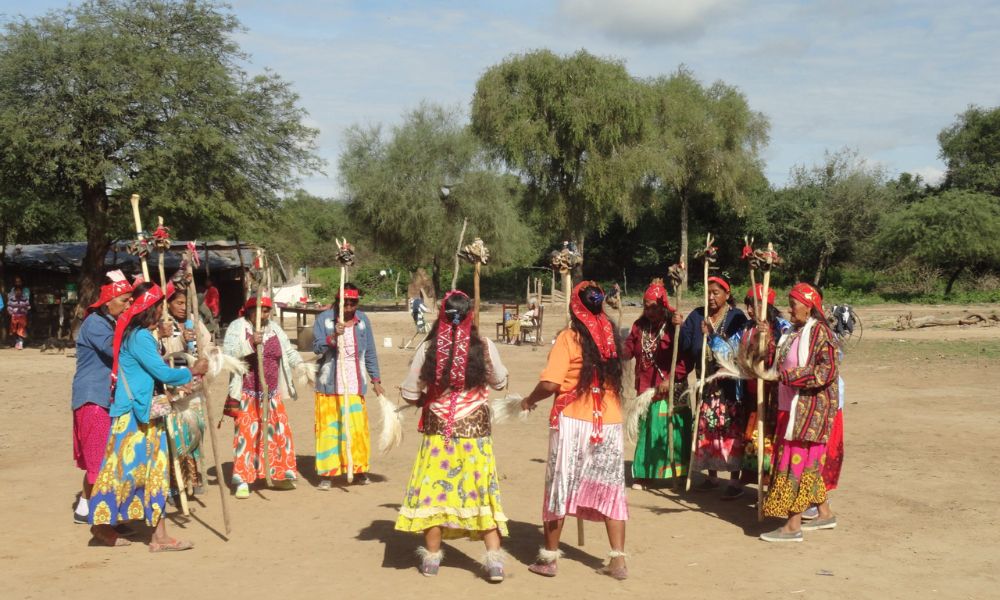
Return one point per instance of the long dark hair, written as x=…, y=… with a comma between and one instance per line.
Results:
x=146, y=318
x=475, y=366
x=609, y=372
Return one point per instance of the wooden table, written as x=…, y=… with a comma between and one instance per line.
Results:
x=300, y=312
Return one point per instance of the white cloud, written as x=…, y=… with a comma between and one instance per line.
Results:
x=648, y=21
x=931, y=174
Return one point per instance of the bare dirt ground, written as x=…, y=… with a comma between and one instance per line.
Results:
x=917, y=510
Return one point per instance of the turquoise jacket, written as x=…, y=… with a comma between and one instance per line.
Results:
x=140, y=364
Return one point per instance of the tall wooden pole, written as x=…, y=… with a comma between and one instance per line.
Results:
x=762, y=326
x=345, y=413
x=672, y=455
x=206, y=392
x=701, y=380
x=265, y=398
x=461, y=238
x=475, y=290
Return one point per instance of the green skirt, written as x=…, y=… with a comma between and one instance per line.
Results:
x=652, y=454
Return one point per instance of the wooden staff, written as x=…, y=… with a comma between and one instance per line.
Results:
x=265, y=399
x=762, y=326
x=701, y=380
x=213, y=435
x=461, y=238
x=475, y=290
x=678, y=289
x=345, y=413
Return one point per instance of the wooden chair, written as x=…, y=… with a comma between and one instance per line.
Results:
x=507, y=311
x=534, y=330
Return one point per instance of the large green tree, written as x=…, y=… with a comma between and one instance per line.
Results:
x=569, y=127
x=414, y=187
x=702, y=146
x=114, y=97
x=971, y=150
x=953, y=231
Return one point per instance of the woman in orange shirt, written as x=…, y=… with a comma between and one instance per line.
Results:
x=585, y=474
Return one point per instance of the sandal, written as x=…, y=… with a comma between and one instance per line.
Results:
x=171, y=546
x=243, y=491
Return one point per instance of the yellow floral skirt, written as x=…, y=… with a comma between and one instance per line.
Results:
x=134, y=480
x=453, y=486
x=331, y=437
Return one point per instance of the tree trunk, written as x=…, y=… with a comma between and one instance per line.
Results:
x=684, y=241
x=436, y=277
x=96, y=206
x=578, y=271
x=824, y=261
x=952, y=279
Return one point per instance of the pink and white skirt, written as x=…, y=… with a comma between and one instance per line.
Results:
x=584, y=479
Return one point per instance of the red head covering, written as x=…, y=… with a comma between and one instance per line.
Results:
x=721, y=282
x=600, y=327
x=453, y=337
x=149, y=298
x=808, y=295
x=349, y=293
x=658, y=293
x=119, y=285
x=758, y=290
x=252, y=303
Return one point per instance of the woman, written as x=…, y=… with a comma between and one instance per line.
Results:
x=133, y=480
x=18, y=306
x=738, y=344
x=807, y=409
x=339, y=401
x=454, y=490
x=585, y=474
x=177, y=334
x=91, y=390
x=722, y=416
x=651, y=343
x=280, y=358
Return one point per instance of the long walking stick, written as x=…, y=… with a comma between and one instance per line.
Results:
x=709, y=255
x=762, y=327
x=265, y=398
x=213, y=435
x=345, y=256
x=675, y=273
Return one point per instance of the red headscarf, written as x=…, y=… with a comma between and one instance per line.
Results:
x=119, y=285
x=722, y=283
x=658, y=293
x=808, y=295
x=453, y=339
x=350, y=293
x=600, y=327
x=252, y=303
x=151, y=296
x=758, y=290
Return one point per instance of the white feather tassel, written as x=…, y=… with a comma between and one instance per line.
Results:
x=219, y=361
x=635, y=410
x=505, y=408
x=307, y=371
x=391, y=434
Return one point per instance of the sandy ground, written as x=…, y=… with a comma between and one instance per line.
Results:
x=918, y=514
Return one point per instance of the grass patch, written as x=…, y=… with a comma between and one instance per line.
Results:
x=897, y=350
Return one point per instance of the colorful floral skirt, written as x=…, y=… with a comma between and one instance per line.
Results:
x=585, y=479
x=132, y=483
x=721, y=428
x=455, y=487
x=652, y=449
x=248, y=452
x=331, y=449
x=91, y=428
x=796, y=479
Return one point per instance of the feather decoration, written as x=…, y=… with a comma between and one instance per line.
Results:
x=219, y=361
x=391, y=434
x=505, y=408
x=306, y=371
x=635, y=410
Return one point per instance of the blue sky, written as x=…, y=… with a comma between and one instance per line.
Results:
x=882, y=77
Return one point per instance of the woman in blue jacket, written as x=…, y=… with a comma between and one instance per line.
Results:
x=342, y=403
x=134, y=479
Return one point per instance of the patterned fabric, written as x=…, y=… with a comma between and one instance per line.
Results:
x=585, y=479
x=452, y=344
x=151, y=296
x=91, y=427
x=796, y=482
x=834, y=453
x=132, y=483
x=18, y=326
x=658, y=293
x=475, y=424
x=331, y=451
x=119, y=285
x=247, y=449
x=808, y=295
x=599, y=325
x=272, y=359
x=812, y=375
x=721, y=427
x=453, y=486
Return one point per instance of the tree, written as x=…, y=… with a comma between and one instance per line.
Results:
x=413, y=188
x=569, y=127
x=119, y=96
x=302, y=230
x=954, y=231
x=825, y=213
x=971, y=149
x=702, y=145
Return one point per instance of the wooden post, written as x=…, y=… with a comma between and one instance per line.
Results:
x=761, y=406
x=674, y=480
x=475, y=291
x=265, y=397
x=345, y=413
x=461, y=238
x=701, y=380
x=213, y=435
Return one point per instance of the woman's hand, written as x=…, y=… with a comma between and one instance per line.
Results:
x=663, y=389
x=339, y=329
x=200, y=367
x=706, y=328
x=379, y=391
x=527, y=405
x=189, y=335
x=258, y=338
x=166, y=329
x=677, y=319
